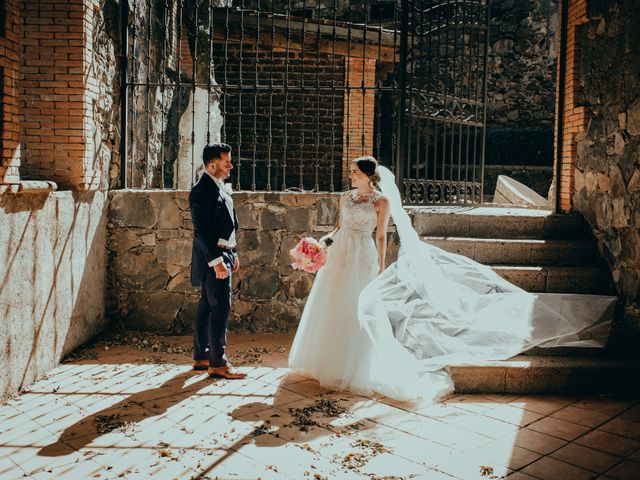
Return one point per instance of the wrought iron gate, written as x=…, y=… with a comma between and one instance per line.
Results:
x=299, y=88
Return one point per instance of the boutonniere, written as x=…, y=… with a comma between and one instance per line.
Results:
x=227, y=188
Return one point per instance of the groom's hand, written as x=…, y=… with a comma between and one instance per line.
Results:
x=236, y=264
x=221, y=271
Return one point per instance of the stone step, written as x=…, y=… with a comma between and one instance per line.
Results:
x=539, y=374
x=517, y=251
x=586, y=280
x=489, y=222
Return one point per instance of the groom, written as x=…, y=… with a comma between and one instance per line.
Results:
x=213, y=259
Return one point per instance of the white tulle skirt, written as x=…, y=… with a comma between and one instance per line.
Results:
x=395, y=333
x=330, y=345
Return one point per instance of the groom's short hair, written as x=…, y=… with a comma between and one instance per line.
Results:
x=212, y=152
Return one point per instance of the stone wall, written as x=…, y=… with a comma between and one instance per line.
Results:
x=607, y=162
x=149, y=241
x=521, y=83
x=52, y=280
x=62, y=79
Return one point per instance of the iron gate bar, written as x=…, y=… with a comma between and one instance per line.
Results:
x=301, y=165
x=239, y=135
x=345, y=181
x=209, y=83
x=124, y=104
x=400, y=148
x=428, y=63
x=163, y=114
x=255, y=104
x=286, y=99
x=484, y=92
x=147, y=93
x=179, y=64
x=225, y=82
x=333, y=95
x=270, y=133
x=316, y=186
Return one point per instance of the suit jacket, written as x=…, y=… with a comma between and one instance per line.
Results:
x=211, y=221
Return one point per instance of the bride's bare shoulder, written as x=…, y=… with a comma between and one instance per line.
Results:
x=379, y=198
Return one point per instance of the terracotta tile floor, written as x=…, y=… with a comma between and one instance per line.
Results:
x=131, y=412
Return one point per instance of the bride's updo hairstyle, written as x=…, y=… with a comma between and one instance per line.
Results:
x=369, y=166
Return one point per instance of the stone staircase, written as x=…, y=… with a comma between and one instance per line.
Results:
x=540, y=252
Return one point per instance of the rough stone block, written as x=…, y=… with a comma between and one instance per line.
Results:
x=327, y=211
x=169, y=215
x=259, y=283
x=271, y=219
x=130, y=209
x=298, y=219
x=122, y=240
x=297, y=286
x=139, y=272
x=284, y=260
x=153, y=310
x=186, y=316
x=247, y=217
x=176, y=251
x=181, y=282
x=272, y=317
x=257, y=247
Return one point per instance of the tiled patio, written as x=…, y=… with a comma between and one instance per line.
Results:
x=135, y=411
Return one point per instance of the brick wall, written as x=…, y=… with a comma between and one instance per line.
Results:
x=9, y=68
x=304, y=109
x=575, y=117
x=57, y=92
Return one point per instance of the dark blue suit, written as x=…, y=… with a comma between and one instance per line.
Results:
x=211, y=221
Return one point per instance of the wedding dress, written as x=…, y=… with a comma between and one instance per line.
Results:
x=395, y=333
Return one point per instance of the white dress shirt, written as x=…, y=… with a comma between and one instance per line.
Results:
x=231, y=241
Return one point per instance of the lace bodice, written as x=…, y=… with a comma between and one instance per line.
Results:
x=358, y=213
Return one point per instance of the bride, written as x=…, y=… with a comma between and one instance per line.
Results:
x=393, y=331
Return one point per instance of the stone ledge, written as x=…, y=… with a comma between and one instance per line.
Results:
x=29, y=186
x=537, y=374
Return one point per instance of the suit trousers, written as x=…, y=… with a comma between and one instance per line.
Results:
x=212, y=320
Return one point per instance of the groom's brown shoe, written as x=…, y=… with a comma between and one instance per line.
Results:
x=200, y=364
x=225, y=372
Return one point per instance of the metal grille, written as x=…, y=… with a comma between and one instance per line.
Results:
x=300, y=88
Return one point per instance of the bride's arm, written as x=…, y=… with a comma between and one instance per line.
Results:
x=382, y=207
x=339, y=214
x=333, y=232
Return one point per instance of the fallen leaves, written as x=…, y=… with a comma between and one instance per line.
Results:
x=248, y=357
x=323, y=407
x=108, y=423
x=486, y=471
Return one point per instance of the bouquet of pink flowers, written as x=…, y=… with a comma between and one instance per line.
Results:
x=310, y=254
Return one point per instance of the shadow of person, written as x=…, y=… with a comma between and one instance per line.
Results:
x=291, y=419
x=133, y=409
